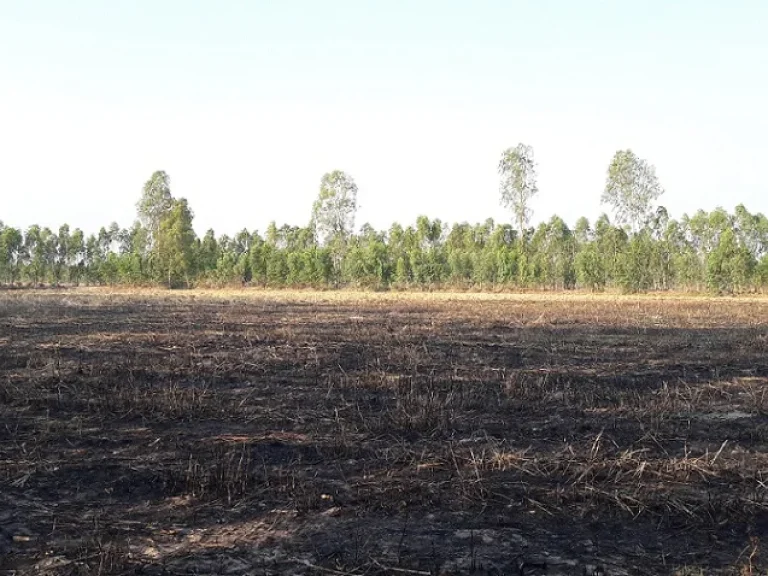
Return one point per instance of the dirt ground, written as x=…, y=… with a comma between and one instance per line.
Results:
x=338, y=433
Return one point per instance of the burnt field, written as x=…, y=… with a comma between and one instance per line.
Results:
x=343, y=434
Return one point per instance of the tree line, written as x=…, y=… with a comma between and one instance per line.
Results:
x=641, y=248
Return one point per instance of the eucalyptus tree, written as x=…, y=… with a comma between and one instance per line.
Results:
x=611, y=241
x=333, y=213
x=517, y=170
x=367, y=262
x=558, y=254
x=590, y=267
x=34, y=254
x=11, y=248
x=761, y=272
x=729, y=264
x=208, y=252
x=631, y=188
x=175, y=244
x=133, y=256
x=752, y=230
x=635, y=263
x=398, y=246
x=582, y=232
x=430, y=232
x=155, y=203
x=76, y=261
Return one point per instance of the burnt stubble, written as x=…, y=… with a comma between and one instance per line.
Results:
x=341, y=433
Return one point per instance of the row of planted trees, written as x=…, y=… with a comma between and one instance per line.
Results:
x=709, y=251
x=643, y=249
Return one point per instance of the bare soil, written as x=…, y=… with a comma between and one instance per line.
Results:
x=311, y=433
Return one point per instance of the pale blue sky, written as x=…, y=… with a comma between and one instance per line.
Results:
x=247, y=103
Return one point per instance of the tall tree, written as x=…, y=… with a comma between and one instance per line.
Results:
x=752, y=230
x=631, y=188
x=50, y=246
x=517, y=170
x=34, y=248
x=76, y=255
x=429, y=231
x=11, y=248
x=729, y=264
x=175, y=244
x=208, y=252
x=557, y=252
x=133, y=253
x=62, y=256
x=155, y=203
x=333, y=213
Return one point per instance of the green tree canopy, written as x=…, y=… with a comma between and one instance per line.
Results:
x=333, y=213
x=517, y=170
x=155, y=203
x=631, y=188
x=175, y=244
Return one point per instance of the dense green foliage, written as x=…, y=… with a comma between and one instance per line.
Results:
x=715, y=251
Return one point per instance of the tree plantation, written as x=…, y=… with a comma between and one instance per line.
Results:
x=639, y=248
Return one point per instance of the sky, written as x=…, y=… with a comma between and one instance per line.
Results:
x=247, y=103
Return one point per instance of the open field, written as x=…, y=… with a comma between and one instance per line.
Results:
x=337, y=433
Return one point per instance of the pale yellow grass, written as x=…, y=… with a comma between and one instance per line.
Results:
x=345, y=295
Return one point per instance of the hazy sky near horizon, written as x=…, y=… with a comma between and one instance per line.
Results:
x=246, y=103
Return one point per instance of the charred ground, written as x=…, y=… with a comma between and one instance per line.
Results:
x=275, y=433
